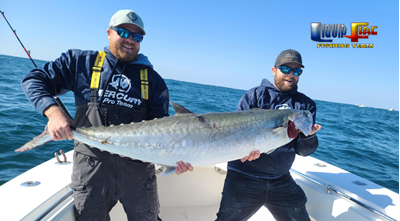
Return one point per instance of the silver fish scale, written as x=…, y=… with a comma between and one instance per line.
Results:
x=199, y=139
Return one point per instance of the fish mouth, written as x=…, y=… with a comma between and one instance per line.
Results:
x=292, y=130
x=300, y=122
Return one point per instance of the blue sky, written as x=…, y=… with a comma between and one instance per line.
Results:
x=227, y=43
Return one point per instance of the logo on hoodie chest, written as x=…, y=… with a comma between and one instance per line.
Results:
x=282, y=106
x=119, y=92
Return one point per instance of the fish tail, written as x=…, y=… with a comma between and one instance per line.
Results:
x=169, y=171
x=43, y=138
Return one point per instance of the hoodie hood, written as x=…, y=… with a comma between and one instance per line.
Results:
x=141, y=59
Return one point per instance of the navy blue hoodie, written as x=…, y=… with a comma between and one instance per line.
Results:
x=277, y=163
x=73, y=72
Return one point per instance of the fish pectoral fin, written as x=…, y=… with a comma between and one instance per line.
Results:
x=278, y=130
x=168, y=171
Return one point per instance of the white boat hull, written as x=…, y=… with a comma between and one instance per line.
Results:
x=196, y=195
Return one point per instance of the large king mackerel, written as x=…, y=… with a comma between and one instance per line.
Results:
x=198, y=139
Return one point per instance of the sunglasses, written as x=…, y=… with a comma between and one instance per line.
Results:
x=125, y=34
x=287, y=70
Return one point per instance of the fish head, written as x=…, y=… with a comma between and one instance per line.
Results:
x=302, y=120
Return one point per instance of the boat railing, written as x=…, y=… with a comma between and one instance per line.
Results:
x=329, y=190
x=54, y=205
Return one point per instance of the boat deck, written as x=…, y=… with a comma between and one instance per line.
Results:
x=332, y=194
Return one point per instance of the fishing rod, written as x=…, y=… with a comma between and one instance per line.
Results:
x=58, y=101
x=15, y=33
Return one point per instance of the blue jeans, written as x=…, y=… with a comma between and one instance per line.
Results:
x=243, y=195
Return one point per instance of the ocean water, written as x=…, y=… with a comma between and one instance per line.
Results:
x=364, y=141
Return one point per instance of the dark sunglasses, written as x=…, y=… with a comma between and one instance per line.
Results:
x=125, y=34
x=287, y=70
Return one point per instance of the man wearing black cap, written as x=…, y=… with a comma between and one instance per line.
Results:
x=266, y=181
x=112, y=87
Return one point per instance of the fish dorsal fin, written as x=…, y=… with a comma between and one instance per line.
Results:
x=180, y=109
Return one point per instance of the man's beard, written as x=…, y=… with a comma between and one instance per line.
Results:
x=280, y=84
x=126, y=57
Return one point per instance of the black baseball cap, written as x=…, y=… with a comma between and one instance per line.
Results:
x=288, y=56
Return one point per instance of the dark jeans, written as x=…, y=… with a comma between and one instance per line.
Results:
x=243, y=195
x=99, y=183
